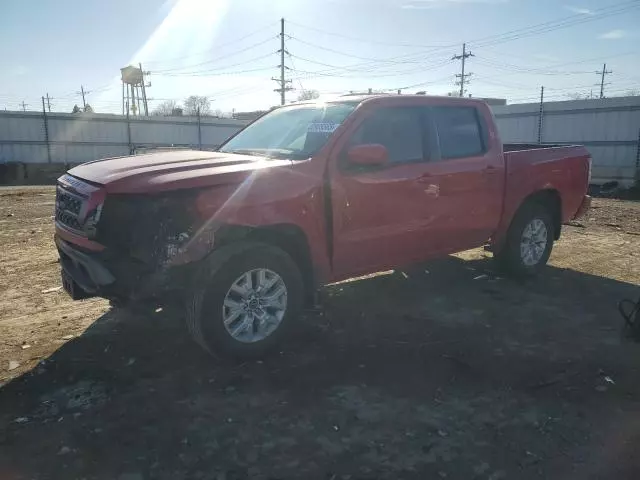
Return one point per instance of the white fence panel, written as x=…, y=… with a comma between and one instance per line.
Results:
x=78, y=138
x=609, y=128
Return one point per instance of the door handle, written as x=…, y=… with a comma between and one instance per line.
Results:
x=490, y=169
x=426, y=178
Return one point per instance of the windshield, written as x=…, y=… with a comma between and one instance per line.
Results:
x=295, y=132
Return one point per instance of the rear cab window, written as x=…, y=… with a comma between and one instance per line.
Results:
x=460, y=132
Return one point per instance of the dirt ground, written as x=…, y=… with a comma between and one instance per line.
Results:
x=448, y=371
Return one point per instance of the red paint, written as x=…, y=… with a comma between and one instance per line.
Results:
x=381, y=217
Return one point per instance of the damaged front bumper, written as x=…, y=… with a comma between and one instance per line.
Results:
x=88, y=274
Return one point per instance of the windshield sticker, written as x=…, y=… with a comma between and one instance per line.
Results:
x=322, y=127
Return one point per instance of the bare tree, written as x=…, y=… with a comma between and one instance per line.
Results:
x=76, y=109
x=195, y=102
x=308, y=95
x=88, y=109
x=165, y=108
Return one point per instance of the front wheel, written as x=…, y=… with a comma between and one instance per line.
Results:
x=529, y=241
x=246, y=306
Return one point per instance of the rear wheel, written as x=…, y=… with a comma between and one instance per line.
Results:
x=529, y=241
x=247, y=305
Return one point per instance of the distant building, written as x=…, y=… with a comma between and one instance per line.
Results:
x=493, y=101
x=248, y=116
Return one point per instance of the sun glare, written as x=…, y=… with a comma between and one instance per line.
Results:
x=190, y=27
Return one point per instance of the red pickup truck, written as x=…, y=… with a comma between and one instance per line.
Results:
x=309, y=194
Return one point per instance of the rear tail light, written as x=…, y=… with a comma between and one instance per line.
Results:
x=589, y=161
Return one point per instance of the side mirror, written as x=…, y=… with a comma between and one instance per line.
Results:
x=368, y=155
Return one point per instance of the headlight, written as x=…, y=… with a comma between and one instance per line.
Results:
x=91, y=221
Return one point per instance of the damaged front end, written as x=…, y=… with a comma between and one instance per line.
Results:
x=150, y=242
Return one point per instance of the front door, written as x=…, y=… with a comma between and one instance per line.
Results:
x=380, y=214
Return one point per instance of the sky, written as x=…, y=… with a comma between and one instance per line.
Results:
x=227, y=49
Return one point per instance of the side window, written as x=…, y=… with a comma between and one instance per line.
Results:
x=459, y=132
x=397, y=128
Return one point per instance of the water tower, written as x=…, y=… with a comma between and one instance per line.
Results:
x=133, y=91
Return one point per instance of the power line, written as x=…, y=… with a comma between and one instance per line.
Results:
x=421, y=84
x=315, y=74
x=393, y=60
x=376, y=42
x=552, y=25
x=262, y=42
x=209, y=73
x=217, y=47
x=337, y=71
x=293, y=65
x=177, y=74
x=509, y=35
x=520, y=69
x=463, y=76
x=587, y=60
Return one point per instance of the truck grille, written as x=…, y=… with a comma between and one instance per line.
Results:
x=68, y=209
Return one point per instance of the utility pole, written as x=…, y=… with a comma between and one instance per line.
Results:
x=84, y=103
x=285, y=85
x=144, y=91
x=48, y=103
x=24, y=106
x=463, y=76
x=541, y=115
x=602, y=74
x=282, y=84
x=46, y=131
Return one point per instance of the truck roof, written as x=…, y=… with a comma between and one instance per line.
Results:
x=391, y=97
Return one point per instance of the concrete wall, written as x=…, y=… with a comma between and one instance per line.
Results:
x=609, y=128
x=77, y=138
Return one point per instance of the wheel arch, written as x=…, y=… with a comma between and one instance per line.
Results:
x=286, y=236
x=549, y=198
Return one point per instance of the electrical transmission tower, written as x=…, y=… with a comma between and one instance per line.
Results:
x=464, y=77
x=285, y=85
x=602, y=74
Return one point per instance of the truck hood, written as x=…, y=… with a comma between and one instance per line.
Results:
x=162, y=171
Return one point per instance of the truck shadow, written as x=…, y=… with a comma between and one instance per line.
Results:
x=134, y=394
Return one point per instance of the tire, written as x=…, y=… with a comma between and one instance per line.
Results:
x=522, y=261
x=208, y=308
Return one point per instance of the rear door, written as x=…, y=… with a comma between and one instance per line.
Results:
x=381, y=214
x=468, y=170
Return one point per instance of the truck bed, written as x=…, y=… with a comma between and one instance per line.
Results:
x=561, y=168
x=516, y=147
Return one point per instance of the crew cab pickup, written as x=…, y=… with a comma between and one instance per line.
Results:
x=309, y=194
